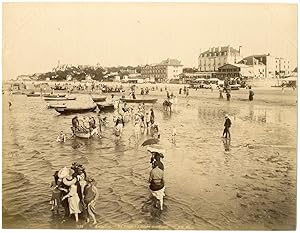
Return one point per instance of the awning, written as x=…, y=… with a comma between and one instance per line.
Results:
x=289, y=79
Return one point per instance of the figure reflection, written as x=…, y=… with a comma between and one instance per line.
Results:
x=226, y=144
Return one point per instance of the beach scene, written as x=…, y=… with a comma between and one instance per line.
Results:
x=159, y=145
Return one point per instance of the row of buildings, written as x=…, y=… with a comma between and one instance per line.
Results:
x=256, y=66
x=220, y=62
x=217, y=62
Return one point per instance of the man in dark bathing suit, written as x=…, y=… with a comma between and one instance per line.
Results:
x=227, y=125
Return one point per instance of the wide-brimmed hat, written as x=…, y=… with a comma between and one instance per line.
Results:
x=156, y=148
x=226, y=115
x=64, y=172
x=69, y=180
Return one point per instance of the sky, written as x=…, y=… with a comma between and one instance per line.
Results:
x=37, y=35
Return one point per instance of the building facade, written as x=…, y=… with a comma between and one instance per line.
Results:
x=215, y=57
x=252, y=68
x=234, y=71
x=275, y=67
x=228, y=71
x=164, y=71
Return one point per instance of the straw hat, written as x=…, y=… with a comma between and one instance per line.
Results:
x=69, y=180
x=64, y=172
x=226, y=115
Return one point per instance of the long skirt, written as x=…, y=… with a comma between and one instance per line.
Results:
x=159, y=194
x=74, y=204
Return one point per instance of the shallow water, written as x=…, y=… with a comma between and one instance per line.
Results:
x=248, y=182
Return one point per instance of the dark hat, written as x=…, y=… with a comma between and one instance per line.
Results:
x=55, y=173
x=90, y=180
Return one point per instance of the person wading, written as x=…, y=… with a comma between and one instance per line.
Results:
x=227, y=125
x=251, y=94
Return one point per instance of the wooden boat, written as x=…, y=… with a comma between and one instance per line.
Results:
x=99, y=98
x=112, y=91
x=67, y=110
x=83, y=135
x=54, y=95
x=106, y=107
x=59, y=98
x=128, y=100
x=56, y=105
x=33, y=95
x=86, y=134
x=17, y=93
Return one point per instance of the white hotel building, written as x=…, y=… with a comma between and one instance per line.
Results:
x=164, y=71
x=216, y=57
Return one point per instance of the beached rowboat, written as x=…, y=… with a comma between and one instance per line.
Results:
x=59, y=98
x=67, y=110
x=127, y=100
x=54, y=95
x=99, y=99
x=106, y=107
x=56, y=105
x=33, y=95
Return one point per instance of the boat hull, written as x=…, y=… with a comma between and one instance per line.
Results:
x=83, y=135
x=59, y=99
x=139, y=100
x=33, y=95
x=56, y=106
x=54, y=95
x=99, y=99
x=106, y=107
x=63, y=110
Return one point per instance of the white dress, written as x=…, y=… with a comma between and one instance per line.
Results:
x=74, y=200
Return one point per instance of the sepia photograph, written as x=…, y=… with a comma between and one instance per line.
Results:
x=149, y=116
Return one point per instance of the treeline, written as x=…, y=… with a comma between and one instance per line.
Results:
x=79, y=73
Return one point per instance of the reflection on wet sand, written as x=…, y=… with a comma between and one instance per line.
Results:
x=226, y=143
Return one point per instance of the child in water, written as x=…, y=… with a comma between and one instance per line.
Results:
x=61, y=137
x=118, y=131
x=174, y=135
x=137, y=129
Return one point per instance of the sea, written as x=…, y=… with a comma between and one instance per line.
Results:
x=212, y=183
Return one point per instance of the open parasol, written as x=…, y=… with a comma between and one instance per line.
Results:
x=156, y=148
x=150, y=141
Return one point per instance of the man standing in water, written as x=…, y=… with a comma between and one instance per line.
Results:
x=227, y=125
x=251, y=94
